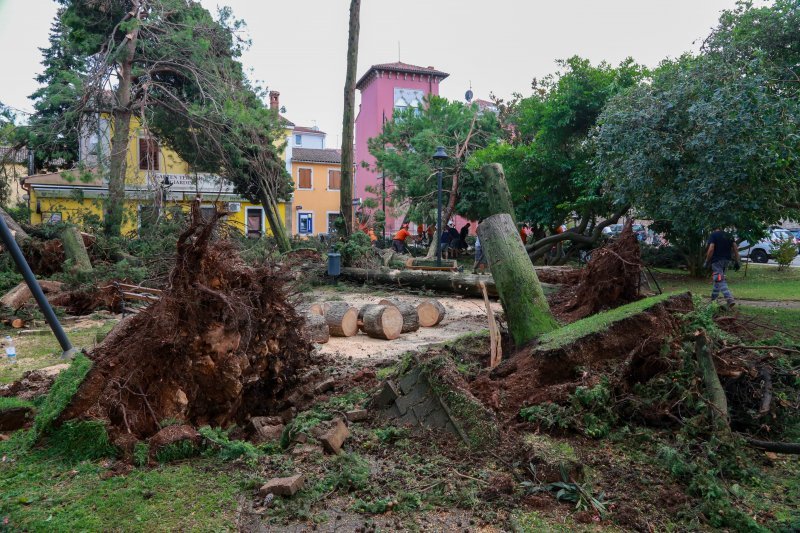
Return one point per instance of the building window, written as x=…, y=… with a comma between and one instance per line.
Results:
x=304, y=178
x=255, y=222
x=305, y=223
x=334, y=180
x=332, y=217
x=148, y=154
x=207, y=212
x=298, y=140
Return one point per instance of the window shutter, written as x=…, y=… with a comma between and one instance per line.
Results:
x=334, y=179
x=304, y=181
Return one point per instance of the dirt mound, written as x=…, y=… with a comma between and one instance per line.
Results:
x=222, y=344
x=629, y=350
x=609, y=280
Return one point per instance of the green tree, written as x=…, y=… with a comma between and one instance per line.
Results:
x=712, y=140
x=404, y=152
x=547, y=154
x=53, y=129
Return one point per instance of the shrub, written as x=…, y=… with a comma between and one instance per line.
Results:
x=784, y=253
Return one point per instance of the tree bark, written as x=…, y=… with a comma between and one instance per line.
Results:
x=75, y=249
x=20, y=235
x=715, y=394
x=526, y=309
x=21, y=294
x=454, y=283
x=121, y=116
x=317, y=329
x=497, y=190
x=382, y=322
x=348, y=118
x=342, y=319
x=276, y=226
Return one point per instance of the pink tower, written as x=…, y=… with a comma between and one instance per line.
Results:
x=385, y=88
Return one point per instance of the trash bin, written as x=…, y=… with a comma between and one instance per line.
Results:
x=334, y=264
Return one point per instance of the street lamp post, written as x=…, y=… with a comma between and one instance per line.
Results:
x=439, y=157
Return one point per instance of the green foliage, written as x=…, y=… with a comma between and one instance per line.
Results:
x=662, y=256
x=350, y=473
x=220, y=444
x=547, y=160
x=12, y=402
x=569, y=491
x=784, y=253
x=141, y=454
x=357, y=250
x=590, y=411
x=305, y=421
x=178, y=451
x=81, y=440
x=391, y=434
x=404, y=152
x=64, y=388
x=404, y=502
x=710, y=141
x=547, y=415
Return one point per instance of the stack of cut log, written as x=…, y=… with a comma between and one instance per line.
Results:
x=386, y=320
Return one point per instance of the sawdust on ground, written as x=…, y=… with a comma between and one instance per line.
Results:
x=463, y=315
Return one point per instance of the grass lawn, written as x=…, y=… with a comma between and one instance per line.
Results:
x=38, y=350
x=778, y=317
x=758, y=282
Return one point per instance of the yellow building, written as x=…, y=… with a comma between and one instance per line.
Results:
x=317, y=177
x=154, y=174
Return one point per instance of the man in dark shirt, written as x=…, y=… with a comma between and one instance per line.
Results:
x=722, y=251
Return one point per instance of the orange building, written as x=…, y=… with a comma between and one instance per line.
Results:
x=317, y=177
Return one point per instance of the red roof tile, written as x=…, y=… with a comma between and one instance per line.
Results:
x=399, y=66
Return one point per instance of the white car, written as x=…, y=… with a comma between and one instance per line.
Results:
x=763, y=250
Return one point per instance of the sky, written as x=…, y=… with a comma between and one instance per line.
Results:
x=299, y=47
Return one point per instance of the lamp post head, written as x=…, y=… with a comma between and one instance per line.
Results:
x=440, y=155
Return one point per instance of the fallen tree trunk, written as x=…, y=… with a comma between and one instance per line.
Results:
x=75, y=249
x=526, y=309
x=455, y=283
x=21, y=294
x=20, y=235
x=715, y=394
x=430, y=312
x=775, y=447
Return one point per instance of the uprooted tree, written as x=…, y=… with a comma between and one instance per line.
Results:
x=222, y=344
x=175, y=68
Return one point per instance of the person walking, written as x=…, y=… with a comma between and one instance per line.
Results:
x=399, y=239
x=722, y=252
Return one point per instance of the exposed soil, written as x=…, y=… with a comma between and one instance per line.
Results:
x=222, y=344
x=610, y=279
x=628, y=350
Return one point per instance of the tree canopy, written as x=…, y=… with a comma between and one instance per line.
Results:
x=404, y=152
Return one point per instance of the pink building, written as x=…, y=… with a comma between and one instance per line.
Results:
x=385, y=88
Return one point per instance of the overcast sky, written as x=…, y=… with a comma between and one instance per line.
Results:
x=299, y=47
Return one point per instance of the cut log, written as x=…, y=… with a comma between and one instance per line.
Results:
x=382, y=321
x=17, y=323
x=316, y=309
x=317, y=328
x=431, y=312
x=526, y=310
x=19, y=295
x=342, y=319
x=409, y=312
x=75, y=249
x=361, y=315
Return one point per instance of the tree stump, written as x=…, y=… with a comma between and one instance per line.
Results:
x=409, y=312
x=430, y=312
x=342, y=319
x=317, y=328
x=382, y=321
x=523, y=300
x=75, y=249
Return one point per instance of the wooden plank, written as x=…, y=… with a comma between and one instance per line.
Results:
x=495, y=344
x=139, y=297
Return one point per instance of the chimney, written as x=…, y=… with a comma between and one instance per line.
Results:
x=274, y=100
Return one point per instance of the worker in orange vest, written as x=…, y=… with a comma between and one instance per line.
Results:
x=399, y=239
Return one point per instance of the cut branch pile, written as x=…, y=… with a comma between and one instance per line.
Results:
x=222, y=344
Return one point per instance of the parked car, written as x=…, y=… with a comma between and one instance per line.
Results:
x=763, y=250
x=615, y=229
x=796, y=233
